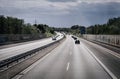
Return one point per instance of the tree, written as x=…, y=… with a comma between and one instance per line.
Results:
x=112, y=27
x=2, y=24
x=41, y=27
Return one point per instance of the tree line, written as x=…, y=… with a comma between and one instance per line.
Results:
x=75, y=29
x=111, y=27
x=9, y=25
x=12, y=25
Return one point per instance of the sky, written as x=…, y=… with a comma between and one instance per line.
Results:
x=61, y=13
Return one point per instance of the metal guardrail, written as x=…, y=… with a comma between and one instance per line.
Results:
x=16, y=58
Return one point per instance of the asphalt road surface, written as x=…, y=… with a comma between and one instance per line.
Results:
x=16, y=50
x=111, y=59
x=69, y=61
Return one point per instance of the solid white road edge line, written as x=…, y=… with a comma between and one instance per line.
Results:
x=107, y=70
x=113, y=53
x=110, y=51
x=68, y=65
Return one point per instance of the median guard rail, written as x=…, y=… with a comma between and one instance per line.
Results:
x=16, y=58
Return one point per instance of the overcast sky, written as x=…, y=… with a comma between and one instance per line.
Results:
x=62, y=13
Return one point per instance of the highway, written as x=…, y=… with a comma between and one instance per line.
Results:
x=19, y=49
x=74, y=61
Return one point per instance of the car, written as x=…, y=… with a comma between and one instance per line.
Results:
x=54, y=38
x=75, y=38
x=77, y=42
x=72, y=36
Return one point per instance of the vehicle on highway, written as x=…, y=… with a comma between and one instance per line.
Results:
x=53, y=38
x=75, y=38
x=72, y=36
x=77, y=42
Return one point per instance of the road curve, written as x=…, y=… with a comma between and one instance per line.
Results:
x=67, y=61
x=16, y=50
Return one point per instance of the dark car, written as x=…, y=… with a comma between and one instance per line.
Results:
x=77, y=42
x=75, y=38
x=54, y=38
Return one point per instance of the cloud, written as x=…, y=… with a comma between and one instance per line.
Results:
x=62, y=12
x=99, y=1
x=62, y=0
x=87, y=1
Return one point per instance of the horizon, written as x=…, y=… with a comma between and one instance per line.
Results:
x=60, y=13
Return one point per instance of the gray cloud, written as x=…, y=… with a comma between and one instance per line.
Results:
x=60, y=14
x=62, y=0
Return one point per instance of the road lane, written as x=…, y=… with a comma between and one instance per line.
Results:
x=84, y=66
x=16, y=50
x=54, y=66
x=67, y=61
x=110, y=58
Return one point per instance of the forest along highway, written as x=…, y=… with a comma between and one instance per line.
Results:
x=16, y=50
x=69, y=61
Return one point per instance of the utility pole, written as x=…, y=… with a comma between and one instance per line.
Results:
x=35, y=21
